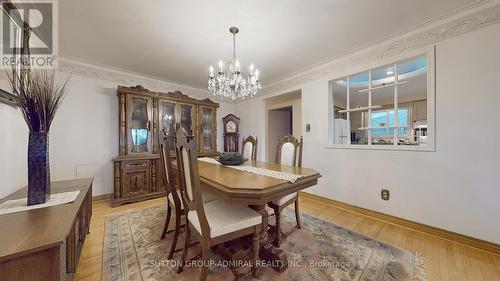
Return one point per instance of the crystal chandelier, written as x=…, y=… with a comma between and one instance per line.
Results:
x=229, y=82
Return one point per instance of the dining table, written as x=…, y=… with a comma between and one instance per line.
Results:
x=256, y=190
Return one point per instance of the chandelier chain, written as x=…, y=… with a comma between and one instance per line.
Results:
x=234, y=46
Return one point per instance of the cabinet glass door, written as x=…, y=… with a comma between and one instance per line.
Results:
x=186, y=118
x=206, y=128
x=167, y=124
x=139, y=125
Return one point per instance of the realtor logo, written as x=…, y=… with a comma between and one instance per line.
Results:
x=36, y=19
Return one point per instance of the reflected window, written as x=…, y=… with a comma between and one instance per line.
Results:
x=139, y=136
x=383, y=123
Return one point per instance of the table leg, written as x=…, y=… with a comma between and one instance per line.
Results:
x=275, y=256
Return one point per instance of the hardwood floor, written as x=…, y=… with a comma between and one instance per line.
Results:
x=445, y=260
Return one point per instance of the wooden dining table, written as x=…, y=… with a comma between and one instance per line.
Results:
x=254, y=190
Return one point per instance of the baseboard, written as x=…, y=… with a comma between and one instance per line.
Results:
x=102, y=197
x=427, y=229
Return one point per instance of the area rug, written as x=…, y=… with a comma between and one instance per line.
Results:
x=133, y=251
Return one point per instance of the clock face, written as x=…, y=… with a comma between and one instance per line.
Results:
x=231, y=127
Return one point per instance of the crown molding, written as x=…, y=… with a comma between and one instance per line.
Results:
x=74, y=67
x=412, y=42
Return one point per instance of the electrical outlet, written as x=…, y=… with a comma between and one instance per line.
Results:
x=385, y=194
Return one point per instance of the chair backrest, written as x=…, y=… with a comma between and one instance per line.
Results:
x=168, y=172
x=249, y=148
x=189, y=179
x=289, y=151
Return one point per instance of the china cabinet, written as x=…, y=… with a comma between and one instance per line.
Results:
x=145, y=119
x=231, y=125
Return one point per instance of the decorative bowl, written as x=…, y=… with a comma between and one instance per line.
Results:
x=231, y=158
x=232, y=162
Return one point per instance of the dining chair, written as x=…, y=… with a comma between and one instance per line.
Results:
x=249, y=148
x=174, y=199
x=212, y=222
x=289, y=152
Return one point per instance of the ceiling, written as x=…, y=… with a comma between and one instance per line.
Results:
x=178, y=40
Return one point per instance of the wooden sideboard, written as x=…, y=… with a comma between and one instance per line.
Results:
x=45, y=244
x=145, y=119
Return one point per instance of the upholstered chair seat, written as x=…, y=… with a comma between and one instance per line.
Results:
x=224, y=217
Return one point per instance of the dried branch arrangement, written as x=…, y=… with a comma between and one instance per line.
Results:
x=38, y=96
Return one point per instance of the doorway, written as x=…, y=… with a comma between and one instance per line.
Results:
x=280, y=125
x=284, y=116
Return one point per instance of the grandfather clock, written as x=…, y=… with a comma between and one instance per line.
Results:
x=231, y=133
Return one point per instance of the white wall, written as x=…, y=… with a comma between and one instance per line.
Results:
x=83, y=137
x=454, y=188
x=252, y=116
x=13, y=148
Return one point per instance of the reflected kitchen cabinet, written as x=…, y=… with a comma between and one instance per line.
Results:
x=420, y=109
x=146, y=118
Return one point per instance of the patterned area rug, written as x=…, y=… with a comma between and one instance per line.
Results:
x=319, y=251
